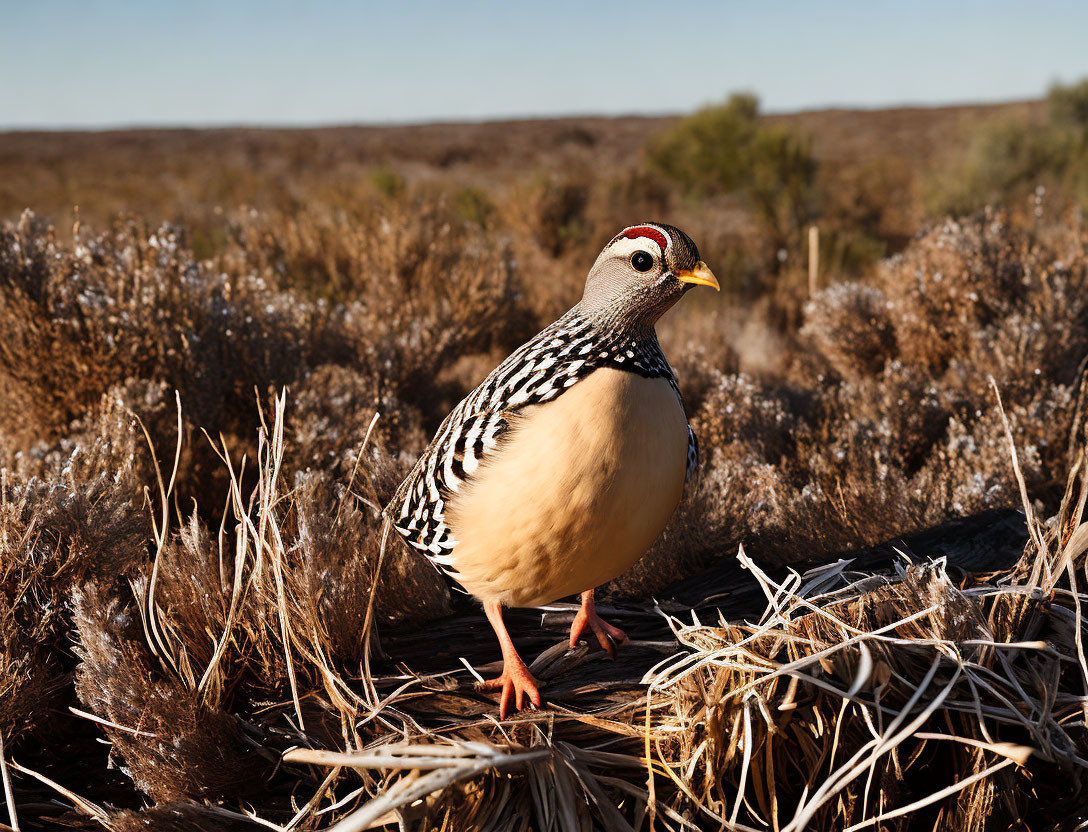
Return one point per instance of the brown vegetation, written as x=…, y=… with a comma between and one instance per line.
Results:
x=188, y=555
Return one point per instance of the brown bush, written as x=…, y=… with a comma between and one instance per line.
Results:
x=173, y=746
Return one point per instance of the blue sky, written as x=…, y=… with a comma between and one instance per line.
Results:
x=102, y=63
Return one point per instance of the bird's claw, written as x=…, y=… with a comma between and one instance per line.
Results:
x=607, y=635
x=518, y=686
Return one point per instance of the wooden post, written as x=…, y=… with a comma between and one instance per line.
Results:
x=813, y=258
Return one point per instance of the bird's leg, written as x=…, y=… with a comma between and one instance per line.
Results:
x=606, y=634
x=516, y=681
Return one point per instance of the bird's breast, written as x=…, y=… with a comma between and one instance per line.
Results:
x=579, y=490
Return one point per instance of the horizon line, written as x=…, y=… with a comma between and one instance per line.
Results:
x=452, y=121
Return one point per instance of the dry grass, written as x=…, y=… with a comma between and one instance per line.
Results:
x=897, y=699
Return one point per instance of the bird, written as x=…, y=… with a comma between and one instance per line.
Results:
x=565, y=464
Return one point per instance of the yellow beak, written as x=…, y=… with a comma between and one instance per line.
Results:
x=701, y=275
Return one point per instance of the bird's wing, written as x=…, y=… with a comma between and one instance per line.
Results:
x=535, y=373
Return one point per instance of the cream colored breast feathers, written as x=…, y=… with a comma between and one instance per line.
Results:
x=578, y=492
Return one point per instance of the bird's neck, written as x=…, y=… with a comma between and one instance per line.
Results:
x=618, y=322
x=607, y=341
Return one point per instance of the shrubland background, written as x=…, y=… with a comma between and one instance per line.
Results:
x=386, y=270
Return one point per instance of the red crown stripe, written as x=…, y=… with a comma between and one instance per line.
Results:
x=648, y=232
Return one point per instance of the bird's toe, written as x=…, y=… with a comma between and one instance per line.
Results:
x=607, y=635
x=519, y=687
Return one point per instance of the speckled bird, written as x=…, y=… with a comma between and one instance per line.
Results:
x=560, y=470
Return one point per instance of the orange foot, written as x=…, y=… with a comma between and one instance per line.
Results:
x=607, y=635
x=518, y=686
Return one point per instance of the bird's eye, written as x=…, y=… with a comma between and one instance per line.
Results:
x=642, y=261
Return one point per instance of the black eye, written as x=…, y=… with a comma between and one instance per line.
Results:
x=642, y=261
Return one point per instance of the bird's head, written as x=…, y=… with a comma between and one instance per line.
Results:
x=642, y=272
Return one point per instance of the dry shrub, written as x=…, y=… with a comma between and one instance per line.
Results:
x=71, y=511
x=971, y=301
x=852, y=330
x=278, y=598
x=419, y=287
x=132, y=307
x=903, y=701
x=30, y=677
x=105, y=448
x=551, y=211
x=104, y=328
x=56, y=536
x=173, y=745
x=52, y=538
x=99, y=332
x=45, y=378
x=334, y=409
x=337, y=544
x=131, y=303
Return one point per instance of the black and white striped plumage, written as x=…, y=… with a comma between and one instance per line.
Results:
x=611, y=328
